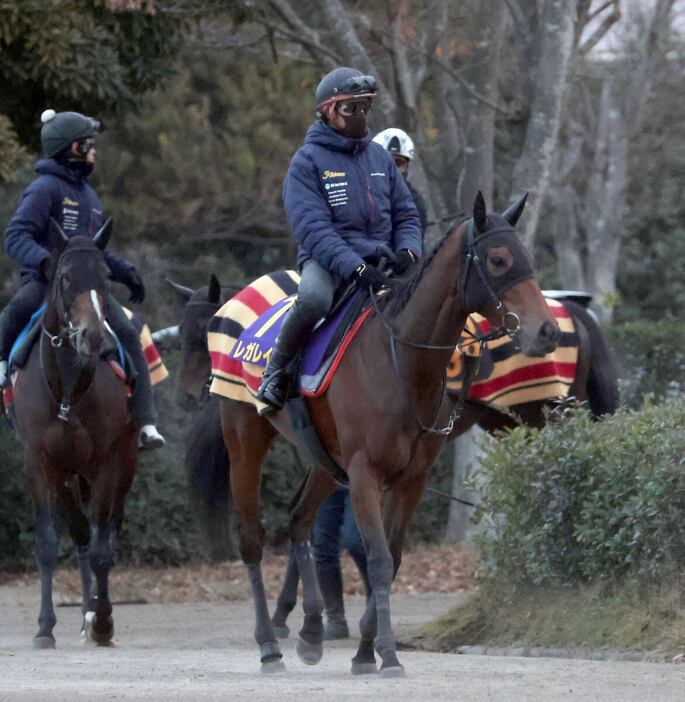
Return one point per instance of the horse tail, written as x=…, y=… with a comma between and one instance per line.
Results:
x=602, y=382
x=207, y=469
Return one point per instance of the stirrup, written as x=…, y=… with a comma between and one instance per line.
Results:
x=150, y=438
x=272, y=389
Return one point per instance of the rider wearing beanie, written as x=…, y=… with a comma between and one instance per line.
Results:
x=343, y=197
x=62, y=192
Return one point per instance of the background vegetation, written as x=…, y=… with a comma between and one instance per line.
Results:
x=204, y=102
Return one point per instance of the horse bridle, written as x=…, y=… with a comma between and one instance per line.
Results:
x=509, y=326
x=68, y=332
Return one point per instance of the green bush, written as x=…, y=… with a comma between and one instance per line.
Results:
x=581, y=499
x=650, y=356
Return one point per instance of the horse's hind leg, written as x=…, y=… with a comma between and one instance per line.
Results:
x=248, y=438
x=287, y=599
x=319, y=485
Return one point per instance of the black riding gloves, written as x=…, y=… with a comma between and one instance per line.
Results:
x=135, y=284
x=405, y=259
x=369, y=276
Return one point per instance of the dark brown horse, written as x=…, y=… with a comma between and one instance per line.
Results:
x=594, y=383
x=383, y=421
x=79, y=437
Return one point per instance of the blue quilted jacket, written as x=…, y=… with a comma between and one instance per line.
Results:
x=343, y=198
x=64, y=194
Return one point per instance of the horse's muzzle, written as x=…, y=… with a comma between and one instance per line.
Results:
x=548, y=337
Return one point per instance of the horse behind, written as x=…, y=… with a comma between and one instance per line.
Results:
x=79, y=437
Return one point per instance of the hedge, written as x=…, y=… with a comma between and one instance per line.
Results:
x=581, y=500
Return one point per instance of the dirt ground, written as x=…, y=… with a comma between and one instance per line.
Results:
x=205, y=651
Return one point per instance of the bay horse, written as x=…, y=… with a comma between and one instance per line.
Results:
x=384, y=419
x=72, y=415
x=595, y=383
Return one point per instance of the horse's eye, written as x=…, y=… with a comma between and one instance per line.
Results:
x=497, y=261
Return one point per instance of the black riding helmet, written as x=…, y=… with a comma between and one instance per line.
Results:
x=63, y=128
x=343, y=83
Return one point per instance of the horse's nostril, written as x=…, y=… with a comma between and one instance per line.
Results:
x=550, y=332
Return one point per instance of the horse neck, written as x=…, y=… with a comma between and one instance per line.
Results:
x=434, y=314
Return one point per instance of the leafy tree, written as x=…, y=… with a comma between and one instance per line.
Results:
x=94, y=56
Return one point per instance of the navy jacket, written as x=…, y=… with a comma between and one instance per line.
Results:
x=65, y=195
x=343, y=198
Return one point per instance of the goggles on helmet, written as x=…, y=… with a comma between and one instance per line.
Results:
x=360, y=86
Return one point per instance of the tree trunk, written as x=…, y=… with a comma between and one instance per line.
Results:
x=605, y=214
x=532, y=169
x=479, y=128
x=467, y=453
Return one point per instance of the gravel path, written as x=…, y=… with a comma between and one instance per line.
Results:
x=205, y=651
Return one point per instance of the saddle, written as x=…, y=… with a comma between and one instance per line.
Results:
x=243, y=332
x=115, y=354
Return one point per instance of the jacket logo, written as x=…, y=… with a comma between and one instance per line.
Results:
x=333, y=174
x=69, y=201
x=377, y=173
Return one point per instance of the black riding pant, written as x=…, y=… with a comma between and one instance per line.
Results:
x=30, y=297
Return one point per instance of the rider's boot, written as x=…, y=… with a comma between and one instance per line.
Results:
x=274, y=386
x=294, y=333
x=330, y=582
x=142, y=400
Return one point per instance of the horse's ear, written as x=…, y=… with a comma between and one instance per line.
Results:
x=480, y=216
x=214, y=293
x=182, y=290
x=101, y=238
x=59, y=238
x=512, y=213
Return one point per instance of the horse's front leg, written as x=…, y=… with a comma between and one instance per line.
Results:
x=98, y=624
x=79, y=529
x=365, y=493
x=47, y=544
x=318, y=487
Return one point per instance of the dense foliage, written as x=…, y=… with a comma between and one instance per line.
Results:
x=583, y=499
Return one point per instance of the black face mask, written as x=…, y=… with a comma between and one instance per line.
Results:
x=355, y=126
x=83, y=168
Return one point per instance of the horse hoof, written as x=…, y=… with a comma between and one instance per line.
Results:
x=273, y=667
x=310, y=654
x=89, y=633
x=392, y=671
x=281, y=632
x=364, y=668
x=43, y=642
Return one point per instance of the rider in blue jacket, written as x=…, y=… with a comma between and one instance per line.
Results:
x=62, y=192
x=343, y=197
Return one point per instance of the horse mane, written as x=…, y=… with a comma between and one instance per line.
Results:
x=400, y=292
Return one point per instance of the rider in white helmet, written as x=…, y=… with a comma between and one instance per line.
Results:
x=401, y=146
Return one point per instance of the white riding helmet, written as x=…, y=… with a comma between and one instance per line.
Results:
x=396, y=141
